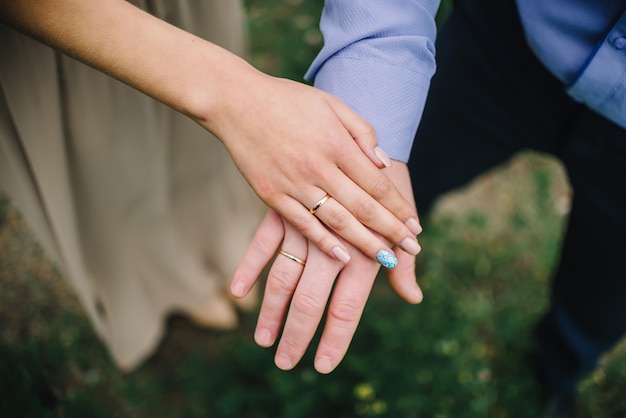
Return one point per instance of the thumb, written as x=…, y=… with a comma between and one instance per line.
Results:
x=362, y=132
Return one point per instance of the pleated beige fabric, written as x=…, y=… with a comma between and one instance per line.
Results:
x=141, y=208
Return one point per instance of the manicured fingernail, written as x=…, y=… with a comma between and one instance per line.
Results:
x=323, y=365
x=413, y=226
x=340, y=254
x=283, y=361
x=382, y=156
x=238, y=290
x=263, y=337
x=410, y=246
x=387, y=259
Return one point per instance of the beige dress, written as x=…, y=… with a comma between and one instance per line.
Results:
x=142, y=209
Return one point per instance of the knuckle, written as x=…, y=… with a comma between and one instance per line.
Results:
x=335, y=343
x=368, y=131
x=337, y=220
x=345, y=310
x=313, y=166
x=309, y=163
x=270, y=316
x=304, y=224
x=381, y=188
x=281, y=282
x=342, y=150
x=307, y=305
x=265, y=190
x=261, y=247
x=365, y=211
x=326, y=242
x=292, y=343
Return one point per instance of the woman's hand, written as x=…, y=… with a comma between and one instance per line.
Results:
x=295, y=144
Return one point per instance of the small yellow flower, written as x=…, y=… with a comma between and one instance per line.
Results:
x=364, y=391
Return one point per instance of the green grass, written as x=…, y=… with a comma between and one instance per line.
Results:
x=458, y=354
x=484, y=269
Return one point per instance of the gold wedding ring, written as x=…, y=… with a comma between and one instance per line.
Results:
x=319, y=203
x=292, y=257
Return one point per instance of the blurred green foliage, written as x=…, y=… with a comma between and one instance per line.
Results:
x=458, y=354
x=284, y=35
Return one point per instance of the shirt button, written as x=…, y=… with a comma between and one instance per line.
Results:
x=620, y=43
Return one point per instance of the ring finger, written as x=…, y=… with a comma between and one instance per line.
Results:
x=369, y=208
x=337, y=218
x=282, y=280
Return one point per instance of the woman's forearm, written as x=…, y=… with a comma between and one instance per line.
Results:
x=293, y=143
x=175, y=67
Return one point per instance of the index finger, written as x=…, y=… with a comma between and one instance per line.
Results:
x=365, y=173
x=381, y=190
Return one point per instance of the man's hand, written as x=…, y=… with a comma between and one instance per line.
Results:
x=301, y=292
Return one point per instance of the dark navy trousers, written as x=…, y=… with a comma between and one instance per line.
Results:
x=492, y=98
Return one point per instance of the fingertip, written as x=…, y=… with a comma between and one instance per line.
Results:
x=382, y=157
x=341, y=254
x=387, y=259
x=263, y=337
x=283, y=361
x=324, y=365
x=410, y=246
x=411, y=294
x=416, y=295
x=413, y=225
x=238, y=289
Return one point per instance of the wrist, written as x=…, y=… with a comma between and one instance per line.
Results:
x=219, y=98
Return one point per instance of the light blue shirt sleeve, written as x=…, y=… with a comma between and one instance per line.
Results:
x=601, y=83
x=583, y=43
x=379, y=57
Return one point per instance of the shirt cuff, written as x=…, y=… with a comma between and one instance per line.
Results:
x=389, y=98
x=600, y=84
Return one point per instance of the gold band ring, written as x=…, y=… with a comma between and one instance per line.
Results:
x=319, y=203
x=292, y=257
